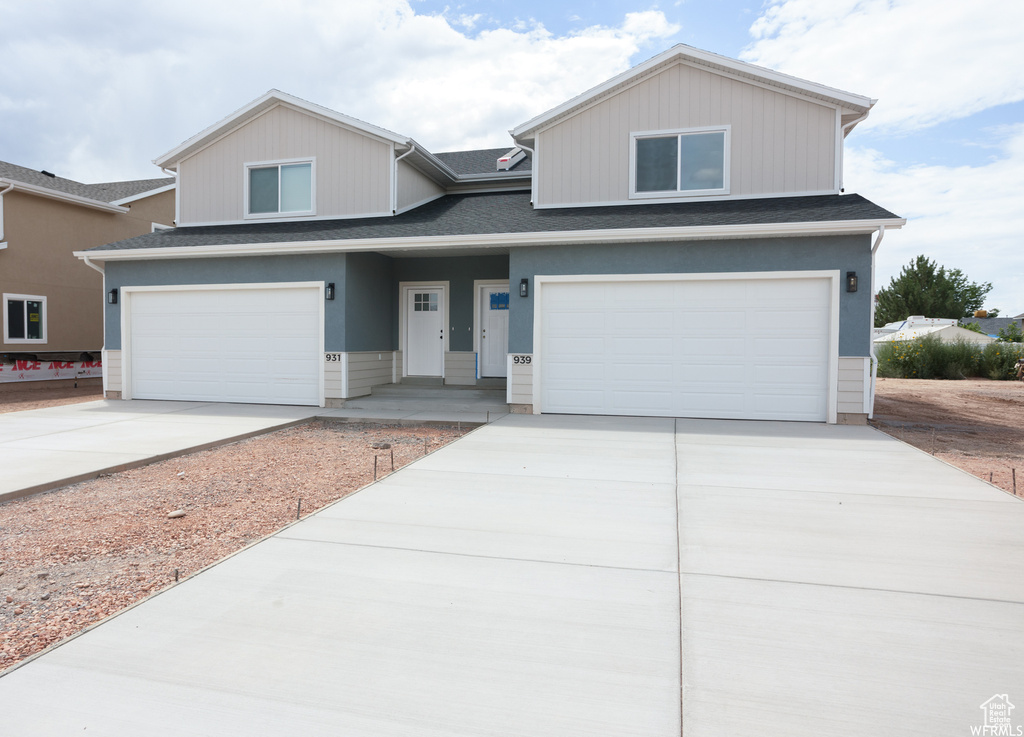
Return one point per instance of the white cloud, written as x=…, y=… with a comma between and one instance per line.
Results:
x=965, y=217
x=925, y=60
x=95, y=91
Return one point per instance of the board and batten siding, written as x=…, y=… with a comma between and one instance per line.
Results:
x=352, y=169
x=415, y=188
x=779, y=143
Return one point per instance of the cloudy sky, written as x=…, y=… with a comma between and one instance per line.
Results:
x=94, y=91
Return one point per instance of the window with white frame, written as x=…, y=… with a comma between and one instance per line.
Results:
x=281, y=188
x=683, y=163
x=24, y=318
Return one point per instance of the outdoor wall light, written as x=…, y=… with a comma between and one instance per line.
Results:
x=112, y=296
x=851, y=281
x=524, y=287
x=329, y=291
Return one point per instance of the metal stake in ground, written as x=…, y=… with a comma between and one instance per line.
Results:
x=298, y=509
x=374, y=467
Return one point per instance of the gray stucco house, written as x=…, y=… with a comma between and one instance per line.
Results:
x=673, y=242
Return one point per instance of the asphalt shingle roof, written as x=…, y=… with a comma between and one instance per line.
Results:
x=511, y=212
x=482, y=161
x=105, y=192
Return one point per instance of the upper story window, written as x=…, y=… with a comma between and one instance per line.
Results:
x=684, y=163
x=279, y=188
x=24, y=318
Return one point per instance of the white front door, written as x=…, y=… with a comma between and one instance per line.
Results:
x=425, y=329
x=494, y=330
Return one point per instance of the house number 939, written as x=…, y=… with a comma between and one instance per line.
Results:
x=522, y=359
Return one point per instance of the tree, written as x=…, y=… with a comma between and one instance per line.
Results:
x=1011, y=333
x=925, y=288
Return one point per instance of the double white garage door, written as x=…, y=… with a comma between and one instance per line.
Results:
x=751, y=348
x=254, y=345
x=726, y=347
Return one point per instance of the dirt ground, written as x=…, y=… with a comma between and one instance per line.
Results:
x=72, y=556
x=973, y=424
x=16, y=396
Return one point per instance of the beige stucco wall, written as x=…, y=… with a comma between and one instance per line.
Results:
x=779, y=143
x=41, y=235
x=352, y=169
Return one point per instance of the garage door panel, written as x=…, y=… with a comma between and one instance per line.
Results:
x=259, y=345
x=730, y=348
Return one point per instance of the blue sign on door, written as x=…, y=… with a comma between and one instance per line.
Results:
x=499, y=300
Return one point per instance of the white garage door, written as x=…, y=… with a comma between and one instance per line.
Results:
x=716, y=348
x=256, y=345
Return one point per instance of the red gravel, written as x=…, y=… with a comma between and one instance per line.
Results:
x=75, y=555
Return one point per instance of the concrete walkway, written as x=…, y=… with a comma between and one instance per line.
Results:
x=47, y=448
x=573, y=576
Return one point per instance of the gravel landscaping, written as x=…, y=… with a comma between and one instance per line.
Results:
x=76, y=555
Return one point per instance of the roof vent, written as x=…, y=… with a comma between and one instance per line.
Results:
x=510, y=159
x=48, y=173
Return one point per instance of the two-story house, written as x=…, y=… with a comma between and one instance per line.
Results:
x=51, y=301
x=672, y=242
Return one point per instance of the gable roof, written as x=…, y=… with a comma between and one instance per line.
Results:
x=857, y=105
x=488, y=220
x=257, y=107
x=106, y=195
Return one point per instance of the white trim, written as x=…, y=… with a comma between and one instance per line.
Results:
x=45, y=318
x=128, y=291
x=414, y=205
x=3, y=245
x=277, y=218
x=678, y=192
x=670, y=199
x=144, y=195
x=160, y=226
x=403, y=291
x=689, y=54
x=479, y=285
x=62, y=196
x=503, y=240
x=540, y=280
x=278, y=214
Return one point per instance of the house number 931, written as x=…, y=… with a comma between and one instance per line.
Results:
x=522, y=359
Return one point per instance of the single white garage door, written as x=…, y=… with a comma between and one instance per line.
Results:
x=258, y=345
x=715, y=348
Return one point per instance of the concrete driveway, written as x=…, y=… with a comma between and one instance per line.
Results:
x=575, y=576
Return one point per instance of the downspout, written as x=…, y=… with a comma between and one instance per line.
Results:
x=871, y=352
x=10, y=186
x=533, y=169
x=103, y=311
x=394, y=190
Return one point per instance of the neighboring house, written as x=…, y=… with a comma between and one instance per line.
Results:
x=993, y=325
x=52, y=302
x=945, y=333
x=912, y=322
x=672, y=242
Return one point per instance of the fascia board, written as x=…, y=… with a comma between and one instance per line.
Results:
x=54, y=194
x=497, y=240
x=684, y=52
x=257, y=106
x=144, y=195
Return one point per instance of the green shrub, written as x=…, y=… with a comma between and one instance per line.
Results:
x=1011, y=334
x=929, y=358
x=999, y=360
